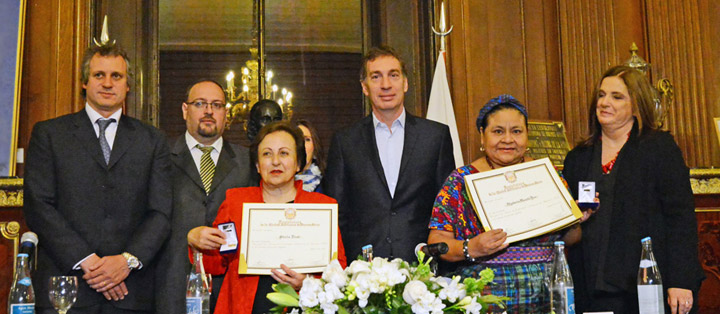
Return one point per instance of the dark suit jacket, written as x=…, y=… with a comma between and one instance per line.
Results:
x=367, y=212
x=652, y=198
x=193, y=208
x=78, y=205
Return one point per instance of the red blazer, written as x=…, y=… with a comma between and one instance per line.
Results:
x=238, y=291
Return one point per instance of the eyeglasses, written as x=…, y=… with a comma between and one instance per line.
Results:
x=202, y=105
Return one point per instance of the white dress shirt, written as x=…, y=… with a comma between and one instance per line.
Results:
x=390, y=142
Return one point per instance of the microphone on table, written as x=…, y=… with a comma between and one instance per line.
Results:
x=28, y=245
x=435, y=249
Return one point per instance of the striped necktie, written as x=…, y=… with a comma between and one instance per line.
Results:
x=207, y=167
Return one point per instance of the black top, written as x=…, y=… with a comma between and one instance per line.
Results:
x=596, y=231
x=262, y=304
x=651, y=197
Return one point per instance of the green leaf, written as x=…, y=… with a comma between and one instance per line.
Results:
x=342, y=310
x=286, y=289
x=282, y=299
x=278, y=309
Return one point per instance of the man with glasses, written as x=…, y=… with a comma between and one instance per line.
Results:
x=204, y=166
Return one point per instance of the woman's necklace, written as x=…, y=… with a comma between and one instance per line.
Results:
x=487, y=159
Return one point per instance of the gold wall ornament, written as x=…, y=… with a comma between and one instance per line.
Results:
x=665, y=95
x=11, y=230
x=104, y=37
x=11, y=192
x=705, y=180
x=443, y=31
x=636, y=62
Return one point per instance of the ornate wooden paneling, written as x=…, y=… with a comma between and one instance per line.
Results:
x=709, y=251
x=55, y=39
x=594, y=35
x=680, y=36
x=404, y=26
x=503, y=47
x=133, y=24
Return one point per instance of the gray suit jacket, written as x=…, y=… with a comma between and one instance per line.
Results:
x=78, y=205
x=193, y=208
x=355, y=178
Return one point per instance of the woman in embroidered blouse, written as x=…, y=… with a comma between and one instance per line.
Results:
x=278, y=153
x=502, y=124
x=644, y=187
x=311, y=175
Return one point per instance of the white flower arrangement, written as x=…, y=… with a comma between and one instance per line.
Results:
x=383, y=286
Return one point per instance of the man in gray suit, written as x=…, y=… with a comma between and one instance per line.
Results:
x=204, y=166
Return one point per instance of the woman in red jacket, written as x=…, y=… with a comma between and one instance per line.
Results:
x=278, y=153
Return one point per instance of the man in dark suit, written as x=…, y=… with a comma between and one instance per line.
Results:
x=386, y=170
x=199, y=183
x=98, y=195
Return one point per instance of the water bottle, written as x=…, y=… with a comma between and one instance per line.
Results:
x=22, y=296
x=198, y=288
x=562, y=290
x=649, y=283
x=367, y=252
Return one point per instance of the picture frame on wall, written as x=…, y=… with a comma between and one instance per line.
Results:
x=12, y=29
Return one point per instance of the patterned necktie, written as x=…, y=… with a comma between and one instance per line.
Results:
x=207, y=167
x=103, y=124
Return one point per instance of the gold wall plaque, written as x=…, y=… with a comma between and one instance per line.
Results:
x=548, y=139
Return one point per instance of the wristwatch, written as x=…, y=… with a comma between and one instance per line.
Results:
x=132, y=261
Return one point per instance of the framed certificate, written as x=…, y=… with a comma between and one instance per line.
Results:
x=525, y=200
x=302, y=236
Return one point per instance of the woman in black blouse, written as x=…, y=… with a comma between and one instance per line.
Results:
x=644, y=187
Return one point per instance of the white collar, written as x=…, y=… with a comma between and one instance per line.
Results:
x=400, y=119
x=94, y=115
x=192, y=142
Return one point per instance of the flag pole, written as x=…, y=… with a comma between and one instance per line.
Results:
x=440, y=106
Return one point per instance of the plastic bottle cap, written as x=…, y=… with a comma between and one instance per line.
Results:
x=645, y=239
x=559, y=242
x=22, y=255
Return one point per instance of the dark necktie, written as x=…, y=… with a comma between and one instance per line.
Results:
x=103, y=124
x=207, y=167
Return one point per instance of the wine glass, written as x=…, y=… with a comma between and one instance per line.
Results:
x=63, y=292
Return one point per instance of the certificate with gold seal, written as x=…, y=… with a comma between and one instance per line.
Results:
x=525, y=200
x=302, y=236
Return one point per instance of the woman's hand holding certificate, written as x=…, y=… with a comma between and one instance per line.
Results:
x=525, y=200
x=301, y=236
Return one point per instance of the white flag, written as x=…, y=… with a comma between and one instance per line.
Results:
x=440, y=107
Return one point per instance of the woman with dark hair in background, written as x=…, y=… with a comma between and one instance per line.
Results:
x=644, y=187
x=311, y=175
